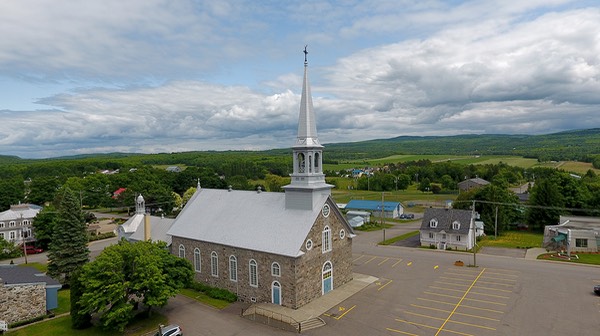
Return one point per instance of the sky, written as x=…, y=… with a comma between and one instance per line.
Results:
x=155, y=76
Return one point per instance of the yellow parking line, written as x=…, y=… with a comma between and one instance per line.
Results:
x=503, y=274
x=431, y=327
x=492, y=295
x=368, y=261
x=346, y=312
x=384, y=260
x=397, y=262
x=493, y=289
x=380, y=288
x=463, y=306
x=459, y=302
x=451, y=321
x=501, y=279
x=401, y=332
x=462, y=314
x=357, y=259
x=497, y=283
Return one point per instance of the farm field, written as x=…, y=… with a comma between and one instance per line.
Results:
x=518, y=161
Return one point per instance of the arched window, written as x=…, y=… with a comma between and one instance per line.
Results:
x=214, y=264
x=181, y=251
x=433, y=223
x=327, y=277
x=275, y=269
x=317, y=164
x=310, y=164
x=253, y=270
x=301, y=163
x=326, y=239
x=232, y=268
x=197, y=261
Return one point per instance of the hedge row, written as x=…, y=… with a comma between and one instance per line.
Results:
x=213, y=292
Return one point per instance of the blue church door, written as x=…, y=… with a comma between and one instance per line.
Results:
x=327, y=277
x=276, y=293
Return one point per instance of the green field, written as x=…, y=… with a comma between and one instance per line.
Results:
x=517, y=161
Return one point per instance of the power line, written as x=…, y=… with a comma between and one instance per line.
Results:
x=528, y=205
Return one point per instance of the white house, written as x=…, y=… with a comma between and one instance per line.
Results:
x=448, y=229
x=16, y=223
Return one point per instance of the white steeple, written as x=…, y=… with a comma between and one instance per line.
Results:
x=140, y=205
x=308, y=180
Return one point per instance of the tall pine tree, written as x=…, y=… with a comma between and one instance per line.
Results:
x=68, y=248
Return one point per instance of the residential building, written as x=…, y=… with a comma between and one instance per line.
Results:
x=473, y=183
x=449, y=229
x=25, y=293
x=16, y=223
x=282, y=248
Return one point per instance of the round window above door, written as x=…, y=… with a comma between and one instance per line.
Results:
x=326, y=210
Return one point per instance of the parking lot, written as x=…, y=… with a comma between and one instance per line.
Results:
x=422, y=292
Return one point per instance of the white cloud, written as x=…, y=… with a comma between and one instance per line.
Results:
x=153, y=76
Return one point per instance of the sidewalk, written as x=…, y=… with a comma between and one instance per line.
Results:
x=533, y=253
x=321, y=305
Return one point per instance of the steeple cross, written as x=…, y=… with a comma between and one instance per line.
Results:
x=305, y=53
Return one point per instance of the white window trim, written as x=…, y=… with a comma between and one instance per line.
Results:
x=181, y=251
x=233, y=270
x=456, y=226
x=309, y=245
x=214, y=264
x=275, y=266
x=342, y=234
x=197, y=260
x=326, y=237
x=433, y=223
x=253, y=273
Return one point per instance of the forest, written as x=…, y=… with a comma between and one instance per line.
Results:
x=95, y=178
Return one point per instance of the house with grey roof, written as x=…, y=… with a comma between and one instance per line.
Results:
x=449, y=229
x=25, y=293
x=573, y=234
x=473, y=183
x=281, y=248
x=16, y=223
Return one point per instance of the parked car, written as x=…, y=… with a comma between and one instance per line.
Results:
x=170, y=330
x=407, y=216
x=30, y=249
x=597, y=289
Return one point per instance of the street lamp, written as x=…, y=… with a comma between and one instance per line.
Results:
x=23, y=232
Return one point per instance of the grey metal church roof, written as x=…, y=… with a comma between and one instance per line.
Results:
x=158, y=229
x=251, y=220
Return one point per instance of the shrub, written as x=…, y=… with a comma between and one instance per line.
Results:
x=213, y=292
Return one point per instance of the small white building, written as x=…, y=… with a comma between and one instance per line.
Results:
x=134, y=229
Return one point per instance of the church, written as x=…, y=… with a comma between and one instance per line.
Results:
x=284, y=248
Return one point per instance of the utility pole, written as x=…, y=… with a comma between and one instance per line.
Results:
x=496, y=224
x=474, y=235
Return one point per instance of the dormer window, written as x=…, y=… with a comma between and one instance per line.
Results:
x=433, y=223
x=455, y=226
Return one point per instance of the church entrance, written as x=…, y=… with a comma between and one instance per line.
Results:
x=327, y=277
x=276, y=293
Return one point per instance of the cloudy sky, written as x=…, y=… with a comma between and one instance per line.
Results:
x=154, y=76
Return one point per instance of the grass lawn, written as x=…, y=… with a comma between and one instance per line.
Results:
x=203, y=298
x=38, y=266
x=398, y=238
x=61, y=326
x=64, y=302
x=583, y=258
x=514, y=239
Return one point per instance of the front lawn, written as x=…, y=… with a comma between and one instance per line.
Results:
x=513, y=239
x=61, y=326
x=582, y=258
x=203, y=298
x=398, y=238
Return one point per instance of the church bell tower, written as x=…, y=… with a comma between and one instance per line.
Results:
x=308, y=180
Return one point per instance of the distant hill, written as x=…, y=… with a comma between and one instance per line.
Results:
x=569, y=145
x=576, y=145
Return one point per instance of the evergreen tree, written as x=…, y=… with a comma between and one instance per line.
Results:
x=68, y=249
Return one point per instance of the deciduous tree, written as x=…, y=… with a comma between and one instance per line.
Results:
x=126, y=274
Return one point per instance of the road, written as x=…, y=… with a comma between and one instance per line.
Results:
x=422, y=292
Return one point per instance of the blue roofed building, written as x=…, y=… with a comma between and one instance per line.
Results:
x=390, y=209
